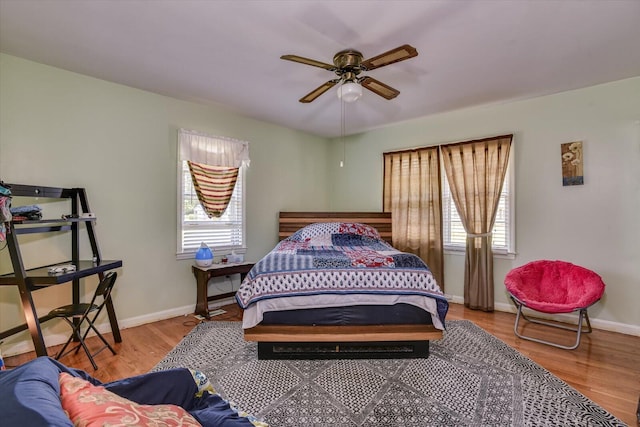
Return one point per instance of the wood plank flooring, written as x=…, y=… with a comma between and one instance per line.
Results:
x=605, y=368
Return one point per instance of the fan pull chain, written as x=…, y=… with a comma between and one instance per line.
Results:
x=342, y=131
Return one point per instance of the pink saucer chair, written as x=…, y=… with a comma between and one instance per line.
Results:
x=554, y=287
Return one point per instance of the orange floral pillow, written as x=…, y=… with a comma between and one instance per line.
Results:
x=88, y=405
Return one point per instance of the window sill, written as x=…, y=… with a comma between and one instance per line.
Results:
x=496, y=254
x=216, y=251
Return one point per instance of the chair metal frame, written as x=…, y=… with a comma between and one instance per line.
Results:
x=76, y=315
x=583, y=316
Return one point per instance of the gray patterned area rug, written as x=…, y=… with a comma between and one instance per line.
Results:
x=471, y=378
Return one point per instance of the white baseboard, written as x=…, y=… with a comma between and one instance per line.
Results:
x=605, y=325
x=167, y=314
x=25, y=346
x=51, y=340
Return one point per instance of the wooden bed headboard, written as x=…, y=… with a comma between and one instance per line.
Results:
x=290, y=222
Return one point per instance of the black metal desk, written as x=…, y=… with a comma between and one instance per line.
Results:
x=30, y=280
x=39, y=278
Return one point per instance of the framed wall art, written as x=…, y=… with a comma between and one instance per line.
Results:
x=572, y=166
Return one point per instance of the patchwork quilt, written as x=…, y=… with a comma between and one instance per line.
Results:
x=339, y=258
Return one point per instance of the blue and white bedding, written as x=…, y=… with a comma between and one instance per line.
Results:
x=337, y=264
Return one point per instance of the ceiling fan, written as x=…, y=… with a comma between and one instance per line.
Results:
x=348, y=64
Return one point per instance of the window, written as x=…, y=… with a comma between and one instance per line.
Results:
x=454, y=235
x=194, y=226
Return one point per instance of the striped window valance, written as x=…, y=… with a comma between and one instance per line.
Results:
x=213, y=163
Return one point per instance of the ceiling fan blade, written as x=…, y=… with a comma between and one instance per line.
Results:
x=318, y=91
x=394, y=55
x=307, y=61
x=379, y=88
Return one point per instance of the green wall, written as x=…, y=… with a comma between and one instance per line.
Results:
x=64, y=129
x=59, y=128
x=594, y=225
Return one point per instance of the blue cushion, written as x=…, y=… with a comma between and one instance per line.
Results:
x=178, y=387
x=174, y=386
x=30, y=395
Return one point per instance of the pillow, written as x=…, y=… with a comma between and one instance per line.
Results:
x=88, y=405
x=30, y=395
x=321, y=228
x=359, y=229
x=314, y=230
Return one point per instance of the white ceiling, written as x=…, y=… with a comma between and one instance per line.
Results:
x=227, y=52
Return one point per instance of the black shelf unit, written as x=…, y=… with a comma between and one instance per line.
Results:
x=29, y=280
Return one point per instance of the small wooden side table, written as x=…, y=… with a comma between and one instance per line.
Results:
x=204, y=274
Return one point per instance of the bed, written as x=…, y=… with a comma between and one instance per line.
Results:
x=334, y=287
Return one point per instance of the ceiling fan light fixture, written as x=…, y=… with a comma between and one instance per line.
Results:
x=349, y=92
x=347, y=65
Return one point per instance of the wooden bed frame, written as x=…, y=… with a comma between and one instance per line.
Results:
x=402, y=341
x=290, y=222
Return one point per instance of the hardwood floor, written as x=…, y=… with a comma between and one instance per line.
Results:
x=605, y=368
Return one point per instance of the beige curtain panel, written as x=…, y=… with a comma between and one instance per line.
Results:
x=475, y=171
x=412, y=195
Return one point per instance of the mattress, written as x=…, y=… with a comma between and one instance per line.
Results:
x=397, y=314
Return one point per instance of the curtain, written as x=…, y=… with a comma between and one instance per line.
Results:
x=214, y=186
x=214, y=163
x=412, y=195
x=475, y=171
